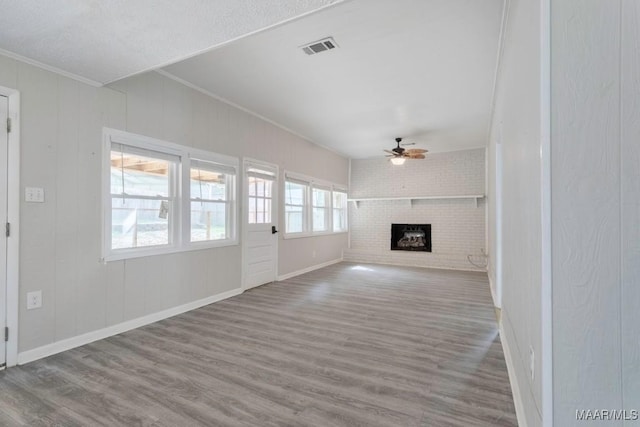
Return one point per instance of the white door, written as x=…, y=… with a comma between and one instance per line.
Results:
x=260, y=247
x=4, y=145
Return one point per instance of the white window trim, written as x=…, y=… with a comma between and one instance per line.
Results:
x=305, y=209
x=232, y=204
x=180, y=233
x=328, y=209
x=308, y=206
x=338, y=189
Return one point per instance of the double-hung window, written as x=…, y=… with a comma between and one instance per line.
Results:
x=162, y=197
x=211, y=190
x=313, y=207
x=143, y=193
x=321, y=205
x=295, y=205
x=339, y=210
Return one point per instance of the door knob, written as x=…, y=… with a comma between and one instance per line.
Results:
x=273, y=229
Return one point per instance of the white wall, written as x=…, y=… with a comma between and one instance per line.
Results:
x=61, y=128
x=595, y=157
x=457, y=225
x=516, y=124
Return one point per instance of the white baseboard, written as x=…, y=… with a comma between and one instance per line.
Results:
x=496, y=303
x=399, y=264
x=77, y=341
x=309, y=269
x=515, y=389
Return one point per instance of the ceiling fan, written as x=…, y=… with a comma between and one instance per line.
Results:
x=399, y=154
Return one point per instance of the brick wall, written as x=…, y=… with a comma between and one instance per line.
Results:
x=457, y=225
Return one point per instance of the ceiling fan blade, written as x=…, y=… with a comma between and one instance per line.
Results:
x=408, y=143
x=416, y=156
x=416, y=151
x=390, y=152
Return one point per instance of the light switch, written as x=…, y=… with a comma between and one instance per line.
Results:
x=34, y=195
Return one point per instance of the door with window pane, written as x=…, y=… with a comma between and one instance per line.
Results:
x=260, y=248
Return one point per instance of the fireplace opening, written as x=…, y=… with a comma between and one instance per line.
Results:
x=411, y=237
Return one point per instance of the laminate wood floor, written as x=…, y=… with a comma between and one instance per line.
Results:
x=347, y=345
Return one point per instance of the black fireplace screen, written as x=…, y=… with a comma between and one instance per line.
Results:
x=411, y=237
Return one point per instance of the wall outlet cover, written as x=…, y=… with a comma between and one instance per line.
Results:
x=532, y=362
x=34, y=300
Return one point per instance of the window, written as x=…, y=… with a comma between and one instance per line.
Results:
x=295, y=206
x=142, y=183
x=339, y=211
x=210, y=185
x=321, y=205
x=313, y=207
x=260, y=186
x=162, y=197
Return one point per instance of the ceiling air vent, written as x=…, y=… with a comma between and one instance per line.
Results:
x=319, y=46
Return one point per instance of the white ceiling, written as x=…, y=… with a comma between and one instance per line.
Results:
x=419, y=69
x=102, y=41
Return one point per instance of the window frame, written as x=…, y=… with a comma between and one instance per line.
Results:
x=305, y=207
x=345, y=208
x=173, y=177
x=179, y=219
x=231, y=205
x=311, y=184
x=327, y=208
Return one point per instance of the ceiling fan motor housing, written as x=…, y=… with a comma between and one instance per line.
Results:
x=398, y=149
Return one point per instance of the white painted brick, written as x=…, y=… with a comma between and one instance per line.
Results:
x=457, y=225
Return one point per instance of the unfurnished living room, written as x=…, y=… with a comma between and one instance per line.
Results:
x=320, y=213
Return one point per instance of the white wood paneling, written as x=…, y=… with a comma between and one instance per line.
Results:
x=37, y=244
x=67, y=208
x=586, y=202
x=92, y=277
x=516, y=126
x=114, y=299
x=630, y=192
x=8, y=72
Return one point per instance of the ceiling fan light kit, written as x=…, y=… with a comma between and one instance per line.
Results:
x=398, y=155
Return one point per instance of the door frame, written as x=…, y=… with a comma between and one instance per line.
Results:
x=13, y=217
x=499, y=172
x=244, y=210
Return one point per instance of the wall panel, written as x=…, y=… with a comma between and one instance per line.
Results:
x=586, y=207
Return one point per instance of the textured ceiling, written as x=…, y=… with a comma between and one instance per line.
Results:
x=419, y=69
x=103, y=41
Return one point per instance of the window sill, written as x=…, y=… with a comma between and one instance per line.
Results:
x=155, y=251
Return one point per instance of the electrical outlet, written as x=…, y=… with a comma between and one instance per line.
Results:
x=532, y=362
x=34, y=300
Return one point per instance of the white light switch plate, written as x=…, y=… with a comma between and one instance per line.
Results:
x=34, y=195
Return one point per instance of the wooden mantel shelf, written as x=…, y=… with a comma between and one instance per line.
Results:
x=411, y=199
